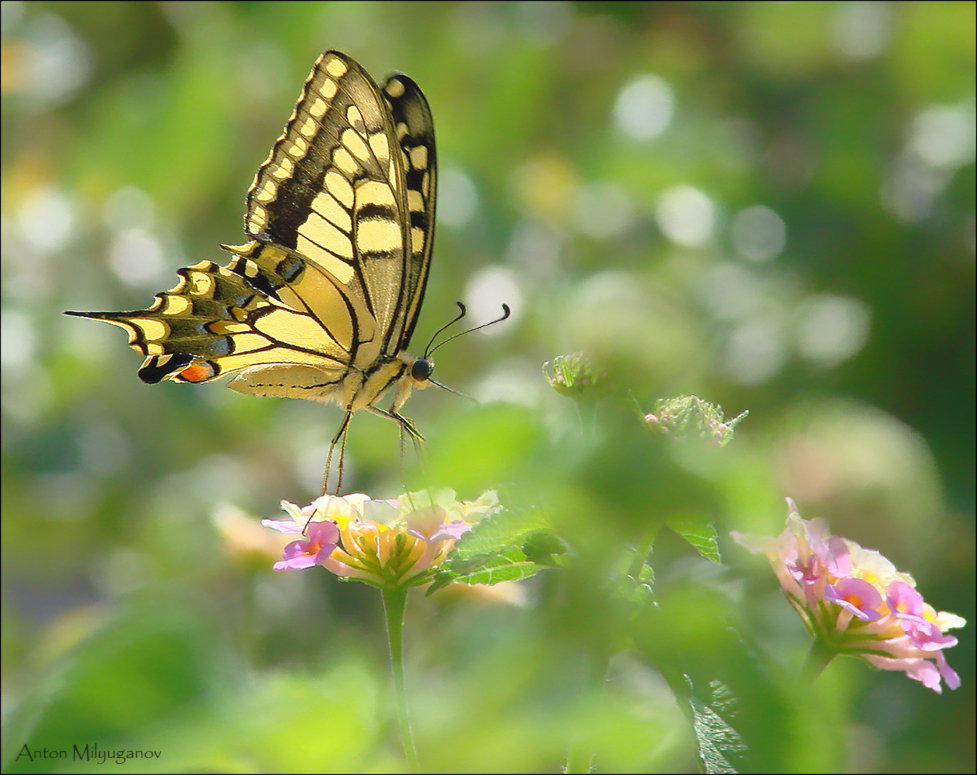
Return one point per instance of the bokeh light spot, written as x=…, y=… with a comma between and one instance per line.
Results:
x=644, y=107
x=602, y=210
x=457, y=198
x=486, y=292
x=758, y=234
x=831, y=329
x=45, y=220
x=755, y=352
x=685, y=215
x=136, y=256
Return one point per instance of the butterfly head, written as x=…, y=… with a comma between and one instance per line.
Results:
x=421, y=371
x=422, y=368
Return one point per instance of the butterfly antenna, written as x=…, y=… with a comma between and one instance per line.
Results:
x=427, y=350
x=505, y=313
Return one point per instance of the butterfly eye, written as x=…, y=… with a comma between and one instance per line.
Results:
x=421, y=370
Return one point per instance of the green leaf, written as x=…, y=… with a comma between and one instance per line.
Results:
x=506, y=566
x=700, y=534
x=718, y=741
x=545, y=548
x=504, y=547
x=498, y=532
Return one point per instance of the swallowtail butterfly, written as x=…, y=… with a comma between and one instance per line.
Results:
x=321, y=301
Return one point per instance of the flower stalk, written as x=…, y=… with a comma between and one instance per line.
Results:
x=817, y=659
x=392, y=545
x=394, y=605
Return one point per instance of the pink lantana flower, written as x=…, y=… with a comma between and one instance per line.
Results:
x=854, y=601
x=385, y=543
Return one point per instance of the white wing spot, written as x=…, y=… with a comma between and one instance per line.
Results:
x=378, y=236
x=417, y=237
x=176, y=305
x=336, y=67
x=344, y=161
x=283, y=169
x=355, y=118
x=328, y=88
x=395, y=88
x=356, y=145
x=340, y=188
x=418, y=157
x=381, y=149
x=308, y=128
x=318, y=108
x=297, y=148
x=258, y=219
x=267, y=193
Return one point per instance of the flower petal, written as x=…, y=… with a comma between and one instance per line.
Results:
x=857, y=596
x=282, y=525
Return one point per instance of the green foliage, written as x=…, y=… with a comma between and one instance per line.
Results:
x=767, y=205
x=504, y=547
x=700, y=534
x=720, y=745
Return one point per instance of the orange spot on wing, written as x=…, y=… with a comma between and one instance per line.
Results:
x=198, y=372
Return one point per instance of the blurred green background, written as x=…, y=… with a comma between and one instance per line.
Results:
x=770, y=205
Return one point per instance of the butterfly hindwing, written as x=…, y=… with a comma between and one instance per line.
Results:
x=217, y=320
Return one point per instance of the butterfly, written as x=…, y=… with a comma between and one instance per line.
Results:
x=321, y=302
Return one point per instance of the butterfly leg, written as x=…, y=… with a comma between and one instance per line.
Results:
x=414, y=436
x=340, y=436
x=407, y=429
x=406, y=426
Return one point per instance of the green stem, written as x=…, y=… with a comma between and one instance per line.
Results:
x=593, y=677
x=641, y=552
x=394, y=603
x=817, y=659
x=579, y=762
x=581, y=757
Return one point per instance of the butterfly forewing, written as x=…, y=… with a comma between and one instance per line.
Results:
x=332, y=189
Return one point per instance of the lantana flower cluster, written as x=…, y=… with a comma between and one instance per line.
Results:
x=385, y=543
x=854, y=601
